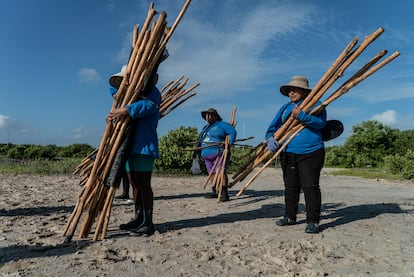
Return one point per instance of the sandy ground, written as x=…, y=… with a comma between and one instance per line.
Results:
x=367, y=230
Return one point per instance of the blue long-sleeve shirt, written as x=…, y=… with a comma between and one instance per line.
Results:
x=310, y=138
x=216, y=132
x=146, y=112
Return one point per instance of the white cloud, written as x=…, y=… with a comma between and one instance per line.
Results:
x=237, y=56
x=88, y=75
x=110, y=5
x=389, y=118
x=79, y=132
x=406, y=122
x=123, y=54
x=4, y=121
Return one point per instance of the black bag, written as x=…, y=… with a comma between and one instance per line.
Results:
x=121, y=156
x=333, y=129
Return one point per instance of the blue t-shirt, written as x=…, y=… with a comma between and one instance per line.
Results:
x=146, y=113
x=310, y=138
x=216, y=132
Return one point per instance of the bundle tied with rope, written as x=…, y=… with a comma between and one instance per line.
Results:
x=291, y=127
x=100, y=170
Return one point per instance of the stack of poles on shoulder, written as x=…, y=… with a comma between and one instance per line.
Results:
x=96, y=197
x=218, y=178
x=173, y=94
x=292, y=126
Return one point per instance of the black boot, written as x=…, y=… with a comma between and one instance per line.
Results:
x=213, y=193
x=135, y=221
x=147, y=227
x=225, y=195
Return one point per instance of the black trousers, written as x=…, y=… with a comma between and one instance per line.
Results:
x=302, y=172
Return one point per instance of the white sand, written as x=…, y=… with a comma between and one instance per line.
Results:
x=367, y=230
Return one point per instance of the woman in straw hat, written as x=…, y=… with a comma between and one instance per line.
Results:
x=144, y=114
x=303, y=158
x=211, y=140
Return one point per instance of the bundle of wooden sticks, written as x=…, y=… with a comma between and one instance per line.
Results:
x=173, y=95
x=148, y=47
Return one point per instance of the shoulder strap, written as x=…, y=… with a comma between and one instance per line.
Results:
x=205, y=130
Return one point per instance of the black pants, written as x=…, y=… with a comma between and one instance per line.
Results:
x=303, y=172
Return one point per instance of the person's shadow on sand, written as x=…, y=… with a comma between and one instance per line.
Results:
x=345, y=214
x=265, y=211
x=33, y=211
x=249, y=197
x=18, y=251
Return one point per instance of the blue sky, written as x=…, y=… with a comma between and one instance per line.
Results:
x=56, y=57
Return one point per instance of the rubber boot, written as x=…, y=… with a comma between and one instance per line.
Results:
x=225, y=194
x=135, y=221
x=147, y=227
x=213, y=193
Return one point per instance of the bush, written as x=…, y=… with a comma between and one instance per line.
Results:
x=399, y=165
x=172, y=157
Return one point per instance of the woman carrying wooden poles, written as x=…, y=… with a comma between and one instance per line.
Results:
x=215, y=140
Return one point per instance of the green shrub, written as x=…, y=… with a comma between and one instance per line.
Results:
x=400, y=165
x=172, y=156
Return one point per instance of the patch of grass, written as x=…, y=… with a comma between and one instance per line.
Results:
x=369, y=173
x=40, y=167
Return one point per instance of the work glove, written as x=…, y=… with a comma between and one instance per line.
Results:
x=272, y=144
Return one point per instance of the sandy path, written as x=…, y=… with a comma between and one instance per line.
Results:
x=367, y=231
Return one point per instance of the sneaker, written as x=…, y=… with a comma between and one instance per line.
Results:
x=286, y=221
x=312, y=228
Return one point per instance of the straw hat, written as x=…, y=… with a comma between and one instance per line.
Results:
x=296, y=82
x=211, y=111
x=116, y=79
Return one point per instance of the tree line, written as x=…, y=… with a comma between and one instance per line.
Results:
x=370, y=145
x=41, y=152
